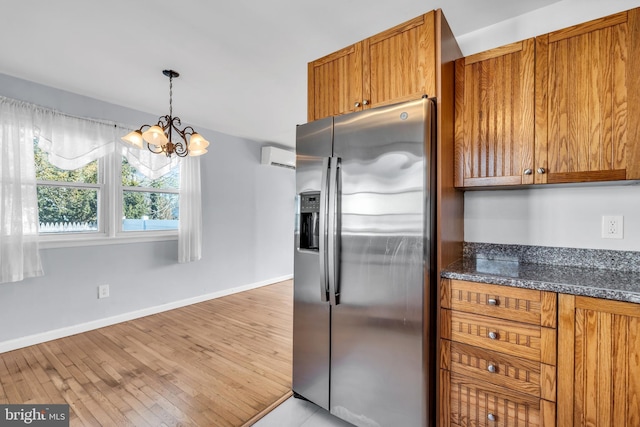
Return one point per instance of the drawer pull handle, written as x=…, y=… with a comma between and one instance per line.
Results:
x=491, y=417
x=492, y=368
x=493, y=301
x=493, y=335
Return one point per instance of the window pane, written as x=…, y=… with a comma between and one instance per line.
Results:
x=150, y=211
x=47, y=172
x=67, y=210
x=132, y=178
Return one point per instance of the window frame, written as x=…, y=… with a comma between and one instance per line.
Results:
x=110, y=209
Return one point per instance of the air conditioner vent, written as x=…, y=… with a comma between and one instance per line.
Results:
x=275, y=156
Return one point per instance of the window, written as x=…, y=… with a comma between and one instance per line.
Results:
x=77, y=203
x=149, y=204
x=68, y=200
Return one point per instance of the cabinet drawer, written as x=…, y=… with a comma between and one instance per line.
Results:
x=505, y=302
x=479, y=404
x=526, y=376
x=513, y=338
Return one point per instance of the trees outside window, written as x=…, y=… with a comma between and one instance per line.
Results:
x=67, y=200
x=75, y=201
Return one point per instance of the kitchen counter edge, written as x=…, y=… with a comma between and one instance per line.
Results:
x=591, y=282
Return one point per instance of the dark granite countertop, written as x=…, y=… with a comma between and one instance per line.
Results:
x=505, y=265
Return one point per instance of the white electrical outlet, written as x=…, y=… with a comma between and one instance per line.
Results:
x=103, y=291
x=612, y=227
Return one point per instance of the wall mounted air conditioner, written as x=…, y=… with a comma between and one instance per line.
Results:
x=278, y=157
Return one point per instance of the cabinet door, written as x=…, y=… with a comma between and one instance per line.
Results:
x=598, y=362
x=495, y=116
x=335, y=83
x=587, y=89
x=399, y=64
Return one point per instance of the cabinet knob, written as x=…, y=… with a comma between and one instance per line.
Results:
x=493, y=301
x=541, y=170
x=528, y=171
x=493, y=335
x=365, y=102
x=357, y=104
x=491, y=417
x=492, y=368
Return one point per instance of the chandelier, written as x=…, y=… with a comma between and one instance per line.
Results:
x=159, y=137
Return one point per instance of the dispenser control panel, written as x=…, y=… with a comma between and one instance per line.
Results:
x=310, y=221
x=310, y=202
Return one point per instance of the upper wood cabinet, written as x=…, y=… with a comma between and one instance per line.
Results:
x=586, y=90
x=495, y=116
x=598, y=362
x=335, y=83
x=396, y=65
x=561, y=111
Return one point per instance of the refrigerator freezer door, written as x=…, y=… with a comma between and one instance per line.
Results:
x=311, y=315
x=377, y=374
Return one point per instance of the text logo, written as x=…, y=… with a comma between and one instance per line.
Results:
x=34, y=415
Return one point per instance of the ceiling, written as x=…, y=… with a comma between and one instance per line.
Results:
x=242, y=63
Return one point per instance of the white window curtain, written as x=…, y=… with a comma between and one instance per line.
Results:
x=72, y=142
x=19, y=256
x=190, y=228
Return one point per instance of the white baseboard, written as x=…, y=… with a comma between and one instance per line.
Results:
x=100, y=323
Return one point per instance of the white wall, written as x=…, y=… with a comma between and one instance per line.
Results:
x=248, y=212
x=568, y=216
x=560, y=217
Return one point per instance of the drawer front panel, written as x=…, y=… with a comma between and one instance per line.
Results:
x=512, y=338
x=522, y=305
x=518, y=374
x=481, y=404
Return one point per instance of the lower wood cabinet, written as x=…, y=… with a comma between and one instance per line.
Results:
x=480, y=403
x=497, y=368
x=598, y=362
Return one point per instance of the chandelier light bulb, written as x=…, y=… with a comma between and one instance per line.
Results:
x=197, y=142
x=155, y=136
x=134, y=138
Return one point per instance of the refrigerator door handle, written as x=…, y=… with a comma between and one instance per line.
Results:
x=322, y=247
x=333, y=242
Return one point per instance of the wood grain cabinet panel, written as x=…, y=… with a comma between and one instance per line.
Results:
x=586, y=94
x=498, y=354
x=598, y=363
x=400, y=63
x=522, y=305
x=513, y=338
x=525, y=376
x=396, y=65
x=335, y=83
x=495, y=116
x=478, y=404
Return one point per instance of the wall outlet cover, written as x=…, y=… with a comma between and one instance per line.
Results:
x=612, y=227
x=103, y=291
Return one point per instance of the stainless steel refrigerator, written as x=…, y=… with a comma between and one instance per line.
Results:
x=364, y=300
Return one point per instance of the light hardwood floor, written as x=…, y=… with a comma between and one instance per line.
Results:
x=218, y=363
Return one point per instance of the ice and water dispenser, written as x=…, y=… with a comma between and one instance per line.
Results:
x=310, y=221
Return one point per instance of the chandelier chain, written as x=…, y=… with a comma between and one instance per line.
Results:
x=171, y=95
